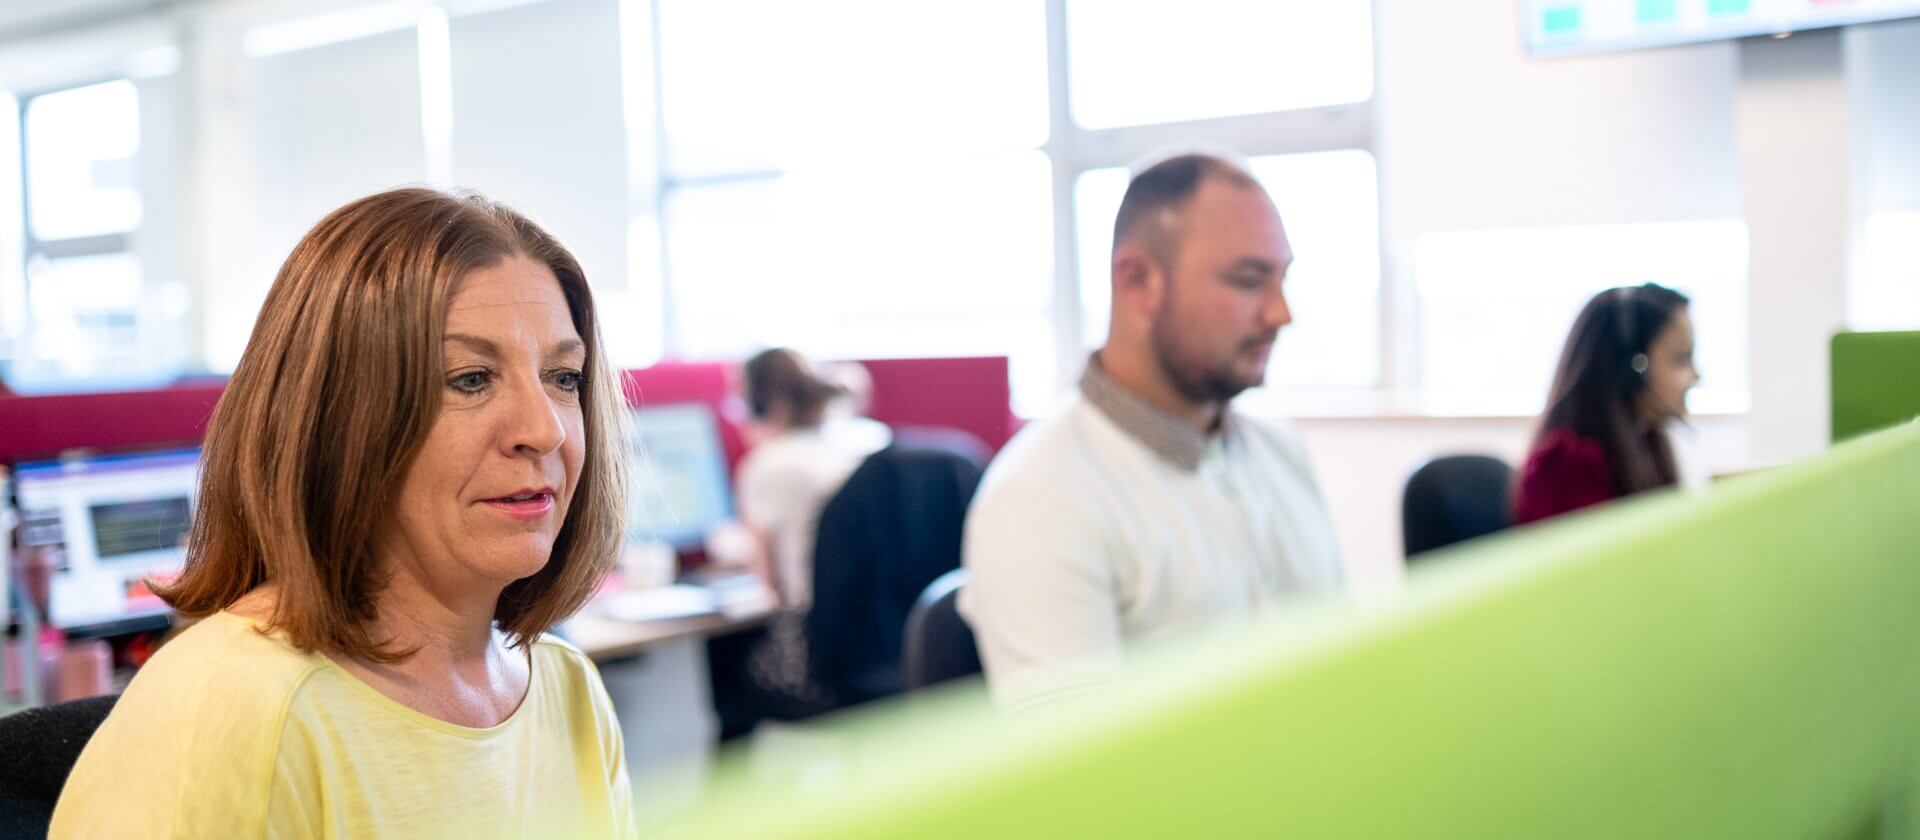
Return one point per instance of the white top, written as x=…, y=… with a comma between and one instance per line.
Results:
x=784, y=483
x=1112, y=522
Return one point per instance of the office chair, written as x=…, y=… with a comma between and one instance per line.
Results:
x=939, y=644
x=893, y=528
x=38, y=748
x=1455, y=498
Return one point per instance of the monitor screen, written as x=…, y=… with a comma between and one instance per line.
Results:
x=680, y=488
x=1559, y=27
x=116, y=520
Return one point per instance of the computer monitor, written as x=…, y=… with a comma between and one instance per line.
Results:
x=117, y=520
x=1874, y=382
x=680, y=488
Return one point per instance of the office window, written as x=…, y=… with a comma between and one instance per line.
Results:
x=893, y=188
x=771, y=85
x=1885, y=290
x=1496, y=305
x=88, y=314
x=854, y=195
x=1135, y=62
x=13, y=287
x=1328, y=203
x=947, y=258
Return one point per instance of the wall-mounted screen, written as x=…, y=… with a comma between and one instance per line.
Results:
x=1560, y=27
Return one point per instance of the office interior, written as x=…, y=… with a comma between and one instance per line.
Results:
x=928, y=189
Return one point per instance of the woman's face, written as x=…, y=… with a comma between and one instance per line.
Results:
x=1670, y=372
x=484, y=499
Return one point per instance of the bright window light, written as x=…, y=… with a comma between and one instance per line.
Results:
x=81, y=148
x=946, y=258
x=772, y=85
x=1496, y=305
x=1327, y=201
x=1136, y=62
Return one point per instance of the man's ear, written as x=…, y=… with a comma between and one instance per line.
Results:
x=1139, y=281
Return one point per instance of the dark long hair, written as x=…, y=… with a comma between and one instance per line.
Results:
x=1603, y=371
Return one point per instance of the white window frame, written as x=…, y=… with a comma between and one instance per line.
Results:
x=32, y=247
x=1072, y=151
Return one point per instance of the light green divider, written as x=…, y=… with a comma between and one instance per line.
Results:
x=1738, y=665
x=1876, y=381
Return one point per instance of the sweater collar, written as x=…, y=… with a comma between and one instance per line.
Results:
x=1166, y=436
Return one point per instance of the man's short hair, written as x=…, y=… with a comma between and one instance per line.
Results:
x=1158, y=192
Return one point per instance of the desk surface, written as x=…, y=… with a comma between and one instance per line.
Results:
x=603, y=638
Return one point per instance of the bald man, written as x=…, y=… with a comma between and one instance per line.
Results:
x=1148, y=505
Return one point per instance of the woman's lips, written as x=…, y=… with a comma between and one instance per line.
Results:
x=523, y=509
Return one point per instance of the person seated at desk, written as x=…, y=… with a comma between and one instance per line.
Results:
x=809, y=442
x=1148, y=504
x=1623, y=376
x=416, y=470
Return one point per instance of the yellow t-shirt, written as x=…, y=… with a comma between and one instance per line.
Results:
x=229, y=732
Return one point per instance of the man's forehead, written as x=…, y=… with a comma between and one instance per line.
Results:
x=1237, y=218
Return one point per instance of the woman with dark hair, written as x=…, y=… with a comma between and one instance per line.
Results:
x=1623, y=376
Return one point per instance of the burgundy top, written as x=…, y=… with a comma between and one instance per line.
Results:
x=1564, y=472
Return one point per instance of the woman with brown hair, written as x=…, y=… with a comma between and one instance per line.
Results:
x=416, y=470
x=805, y=446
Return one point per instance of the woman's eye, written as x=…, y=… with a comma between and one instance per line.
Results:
x=469, y=382
x=569, y=380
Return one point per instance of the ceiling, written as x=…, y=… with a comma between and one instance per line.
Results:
x=28, y=18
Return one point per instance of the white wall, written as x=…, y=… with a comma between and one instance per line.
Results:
x=1884, y=66
x=1472, y=134
x=538, y=123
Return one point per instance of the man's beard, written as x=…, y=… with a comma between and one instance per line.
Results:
x=1197, y=379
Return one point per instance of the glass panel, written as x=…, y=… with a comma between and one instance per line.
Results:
x=1885, y=293
x=85, y=319
x=1136, y=62
x=13, y=289
x=953, y=258
x=762, y=85
x=1496, y=305
x=81, y=147
x=1329, y=204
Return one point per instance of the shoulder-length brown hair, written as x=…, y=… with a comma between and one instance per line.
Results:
x=336, y=391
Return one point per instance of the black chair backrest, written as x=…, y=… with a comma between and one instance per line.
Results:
x=939, y=644
x=1455, y=498
x=38, y=748
x=892, y=529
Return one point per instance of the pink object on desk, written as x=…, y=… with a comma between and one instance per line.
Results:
x=86, y=670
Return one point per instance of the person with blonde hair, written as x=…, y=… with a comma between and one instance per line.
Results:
x=416, y=470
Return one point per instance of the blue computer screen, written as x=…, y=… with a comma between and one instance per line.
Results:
x=113, y=522
x=680, y=487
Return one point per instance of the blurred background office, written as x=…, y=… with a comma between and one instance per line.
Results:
x=867, y=179
x=889, y=181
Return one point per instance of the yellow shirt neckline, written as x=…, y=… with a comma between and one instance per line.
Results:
x=380, y=698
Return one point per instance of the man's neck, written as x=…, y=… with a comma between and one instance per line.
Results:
x=1141, y=375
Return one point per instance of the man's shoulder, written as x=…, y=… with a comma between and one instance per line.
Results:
x=1270, y=436
x=1056, y=448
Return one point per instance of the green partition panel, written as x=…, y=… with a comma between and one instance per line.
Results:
x=1738, y=665
x=1876, y=381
